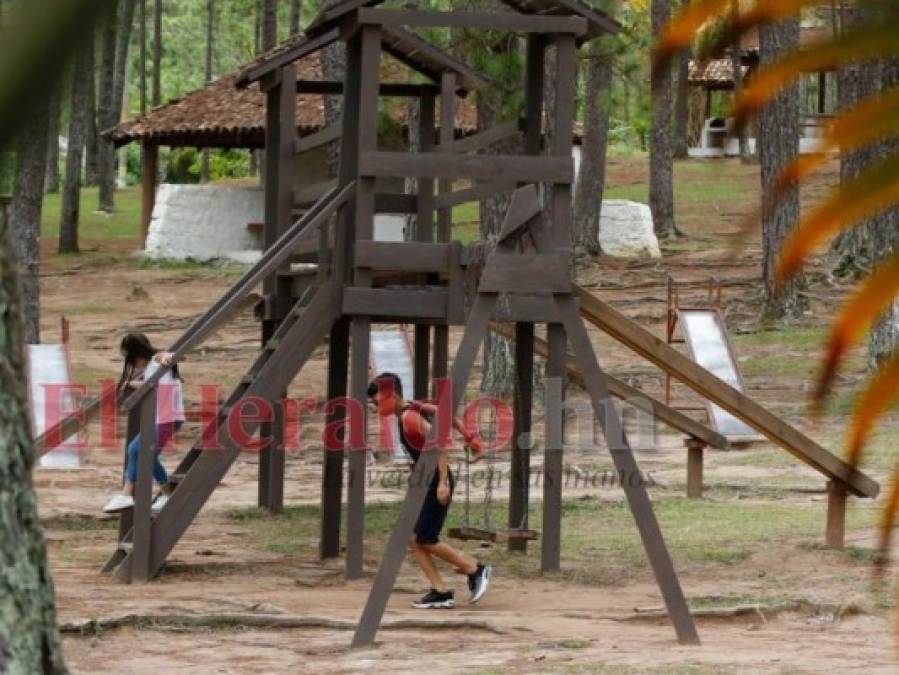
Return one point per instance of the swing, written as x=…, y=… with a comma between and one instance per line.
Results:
x=469, y=532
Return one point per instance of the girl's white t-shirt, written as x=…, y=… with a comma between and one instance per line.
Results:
x=169, y=396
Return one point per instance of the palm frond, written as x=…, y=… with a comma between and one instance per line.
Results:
x=871, y=120
x=873, y=402
x=855, y=318
x=683, y=28
x=871, y=192
x=888, y=523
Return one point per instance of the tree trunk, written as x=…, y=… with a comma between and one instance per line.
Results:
x=156, y=93
x=661, y=178
x=681, y=101
x=499, y=363
x=25, y=215
x=51, y=181
x=591, y=177
x=142, y=39
x=855, y=82
x=296, y=15
x=71, y=197
x=779, y=145
x=269, y=24
x=333, y=63
x=210, y=49
x=90, y=166
x=106, y=112
x=113, y=108
x=883, y=232
x=29, y=638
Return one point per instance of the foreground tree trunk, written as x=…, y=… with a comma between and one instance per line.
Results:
x=25, y=216
x=591, y=177
x=29, y=639
x=661, y=177
x=71, y=197
x=779, y=145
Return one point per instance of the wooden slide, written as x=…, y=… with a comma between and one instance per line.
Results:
x=681, y=367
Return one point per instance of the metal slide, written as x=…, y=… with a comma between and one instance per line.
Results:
x=709, y=386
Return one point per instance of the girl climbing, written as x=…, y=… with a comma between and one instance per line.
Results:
x=141, y=361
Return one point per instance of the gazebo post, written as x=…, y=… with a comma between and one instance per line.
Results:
x=149, y=160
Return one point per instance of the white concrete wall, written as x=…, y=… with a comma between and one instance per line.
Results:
x=205, y=222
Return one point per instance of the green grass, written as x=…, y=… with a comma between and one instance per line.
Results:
x=123, y=224
x=600, y=541
x=793, y=337
x=696, y=184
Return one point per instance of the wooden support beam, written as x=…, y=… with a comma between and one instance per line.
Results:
x=421, y=353
x=563, y=129
x=526, y=273
x=399, y=303
x=631, y=477
x=363, y=72
x=551, y=542
x=398, y=89
x=835, y=534
x=143, y=492
x=309, y=194
x=523, y=403
x=321, y=137
x=280, y=142
x=486, y=138
x=673, y=418
x=403, y=256
x=533, y=88
x=499, y=21
x=695, y=449
x=424, y=221
x=392, y=202
x=446, y=134
x=355, y=525
x=286, y=57
x=275, y=371
x=397, y=544
x=332, y=462
x=149, y=170
x=450, y=198
x=382, y=164
x=657, y=351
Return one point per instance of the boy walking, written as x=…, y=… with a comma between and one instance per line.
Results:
x=386, y=390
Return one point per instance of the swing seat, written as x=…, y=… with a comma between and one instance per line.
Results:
x=466, y=533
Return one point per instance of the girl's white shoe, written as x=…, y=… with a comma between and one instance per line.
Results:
x=119, y=503
x=159, y=502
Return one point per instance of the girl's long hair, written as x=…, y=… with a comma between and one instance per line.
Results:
x=137, y=346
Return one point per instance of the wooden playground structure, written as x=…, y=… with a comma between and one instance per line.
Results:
x=524, y=281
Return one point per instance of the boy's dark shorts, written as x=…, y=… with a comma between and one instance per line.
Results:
x=433, y=514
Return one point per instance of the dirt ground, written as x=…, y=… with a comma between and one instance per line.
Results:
x=798, y=607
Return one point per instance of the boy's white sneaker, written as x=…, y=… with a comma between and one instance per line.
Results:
x=119, y=503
